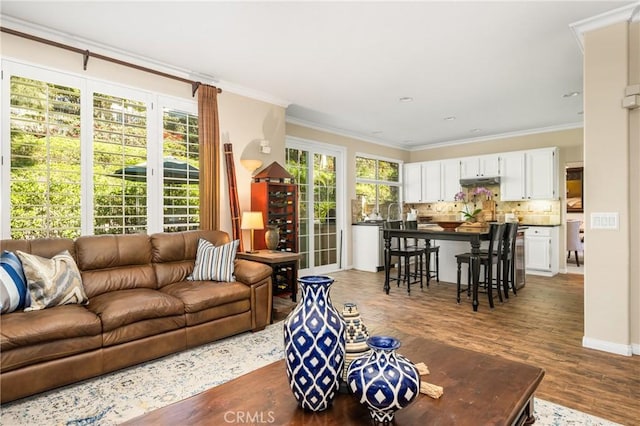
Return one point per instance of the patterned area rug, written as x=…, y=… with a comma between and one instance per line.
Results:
x=123, y=395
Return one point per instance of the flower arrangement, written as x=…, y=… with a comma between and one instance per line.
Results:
x=477, y=194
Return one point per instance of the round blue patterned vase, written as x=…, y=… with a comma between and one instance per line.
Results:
x=383, y=380
x=314, y=345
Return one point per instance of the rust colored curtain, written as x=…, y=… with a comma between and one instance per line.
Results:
x=209, y=141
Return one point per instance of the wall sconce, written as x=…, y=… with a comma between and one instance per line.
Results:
x=251, y=165
x=252, y=221
x=265, y=147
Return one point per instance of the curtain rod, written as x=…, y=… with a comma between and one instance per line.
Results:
x=87, y=54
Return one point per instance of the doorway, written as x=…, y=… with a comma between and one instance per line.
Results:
x=318, y=170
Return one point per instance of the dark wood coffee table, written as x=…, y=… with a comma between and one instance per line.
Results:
x=478, y=390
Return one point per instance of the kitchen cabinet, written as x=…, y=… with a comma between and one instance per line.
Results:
x=541, y=250
x=412, y=182
x=368, y=248
x=481, y=166
x=542, y=174
x=440, y=180
x=529, y=175
x=512, y=181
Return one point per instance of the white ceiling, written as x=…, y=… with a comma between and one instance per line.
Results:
x=497, y=67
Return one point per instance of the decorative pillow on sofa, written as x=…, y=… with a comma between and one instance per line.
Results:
x=52, y=282
x=214, y=263
x=13, y=285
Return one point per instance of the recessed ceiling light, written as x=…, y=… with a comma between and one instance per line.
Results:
x=475, y=130
x=571, y=95
x=407, y=141
x=580, y=112
x=376, y=132
x=450, y=118
x=406, y=99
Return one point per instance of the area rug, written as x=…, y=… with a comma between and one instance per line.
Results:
x=128, y=393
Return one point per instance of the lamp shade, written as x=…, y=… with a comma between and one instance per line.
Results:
x=252, y=220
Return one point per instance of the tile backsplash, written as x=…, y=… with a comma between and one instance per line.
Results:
x=533, y=212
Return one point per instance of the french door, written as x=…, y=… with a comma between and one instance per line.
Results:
x=319, y=172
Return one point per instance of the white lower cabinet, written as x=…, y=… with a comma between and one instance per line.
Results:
x=367, y=248
x=541, y=250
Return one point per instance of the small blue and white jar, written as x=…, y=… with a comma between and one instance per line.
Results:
x=314, y=345
x=383, y=380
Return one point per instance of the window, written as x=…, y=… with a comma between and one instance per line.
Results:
x=181, y=190
x=377, y=186
x=119, y=165
x=79, y=153
x=45, y=159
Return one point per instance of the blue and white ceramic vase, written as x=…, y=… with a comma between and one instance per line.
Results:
x=383, y=380
x=314, y=345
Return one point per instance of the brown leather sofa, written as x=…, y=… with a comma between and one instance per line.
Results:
x=140, y=307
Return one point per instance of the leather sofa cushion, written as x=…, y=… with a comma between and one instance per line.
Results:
x=42, y=352
x=43, y=247
x=22, y=329
x=124, y=307
x=110, y=251
x=115, y=262
x=174, y=254
x=200, y=295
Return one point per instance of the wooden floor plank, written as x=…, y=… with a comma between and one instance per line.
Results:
x=542, y=326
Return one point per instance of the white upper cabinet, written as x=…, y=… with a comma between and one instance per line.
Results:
x=524, y=175
x=450, y=176
x=412, y=182
x=440, y=180
x=431, y=181
x=542, y=174
x=529, y=175
x=481, y=166
x=512, y=183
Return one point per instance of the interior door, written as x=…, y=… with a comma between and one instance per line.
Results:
x=318, y=170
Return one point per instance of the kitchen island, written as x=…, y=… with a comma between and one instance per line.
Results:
x=471, y=236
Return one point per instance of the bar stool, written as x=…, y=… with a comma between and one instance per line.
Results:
x=509, y=259
x=429, y=250
x=487, y=259
x=405, y=253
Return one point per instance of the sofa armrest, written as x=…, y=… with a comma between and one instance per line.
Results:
x=258, y=277
x=251, y=273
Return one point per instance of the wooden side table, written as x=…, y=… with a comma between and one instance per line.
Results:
x=285, y=269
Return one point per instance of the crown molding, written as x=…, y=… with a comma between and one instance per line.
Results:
x=343, y=132
x=84, y=44
x=630, y=12
x=569, y=126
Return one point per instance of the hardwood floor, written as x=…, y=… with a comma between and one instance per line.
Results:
x=542, y=326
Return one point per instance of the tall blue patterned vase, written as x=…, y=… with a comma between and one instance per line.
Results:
x=314, y=345
x=383, y=380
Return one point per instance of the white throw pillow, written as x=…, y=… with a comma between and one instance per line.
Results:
x=214, y=263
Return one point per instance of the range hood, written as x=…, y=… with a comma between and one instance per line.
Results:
x=480, y=181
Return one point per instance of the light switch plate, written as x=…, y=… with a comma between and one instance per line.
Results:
x=604, y=220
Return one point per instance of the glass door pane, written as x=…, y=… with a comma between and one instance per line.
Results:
x=316, y=173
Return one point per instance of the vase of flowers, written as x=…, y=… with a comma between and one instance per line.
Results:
x=477, y=195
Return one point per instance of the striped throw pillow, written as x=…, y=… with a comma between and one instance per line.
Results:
x=13, y=285
x=214, y=263
x=52, y=282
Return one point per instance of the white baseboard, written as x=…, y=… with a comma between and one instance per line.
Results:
x=635, y=348
x=602, y=345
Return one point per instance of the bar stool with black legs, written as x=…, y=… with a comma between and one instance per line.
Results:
x=487, y=260
x=429, y=250
x=405, y=253
x=508, y=259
